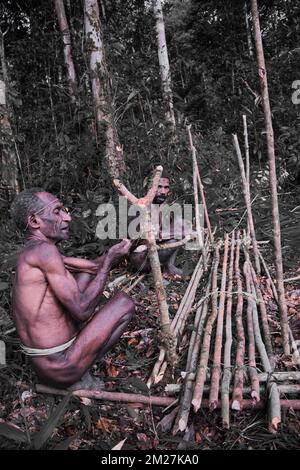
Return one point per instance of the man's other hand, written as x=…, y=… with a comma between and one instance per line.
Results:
x=116, y=252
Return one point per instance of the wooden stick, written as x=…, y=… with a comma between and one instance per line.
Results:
x=202, y=367
x=139, y=279
x=183, y=310
x=251, y=340
x=203, y=199
x=168, y=246
x=193, y=353
x=264, y=317
x=196, y=199
x=178, y=323
x=109, y=396
x=228, y=343
x=279, y=376
x=295, y=353
x=262, y=72
x=156, y=401
x=246, y=151
x=288, y=389
x=237, y=395
x=274, y=399
x=216, y=372
x=247, y=201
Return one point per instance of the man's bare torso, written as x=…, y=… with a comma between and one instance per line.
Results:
x=41, y=320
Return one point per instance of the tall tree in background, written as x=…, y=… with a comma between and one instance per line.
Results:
x=9, y=162
x=163, y=59
x=66, y=37
x=273, y=180
x=248, y=29
x=100, y=88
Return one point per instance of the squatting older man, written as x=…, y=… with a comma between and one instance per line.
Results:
x=53, y=295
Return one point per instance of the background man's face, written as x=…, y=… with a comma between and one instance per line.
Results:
x=162, y=191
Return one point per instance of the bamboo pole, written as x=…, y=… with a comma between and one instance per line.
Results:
x=262, y=71
x=247, y=201
x=251, y=340
x=202, y=367
x=264, y=317
x=216, y=367
x=237, y=395
x=246, y=151
x=274, y=399
x=196, y=198
x=228, y=343
x=262, y=308
x=193, y=353
x=203, y=199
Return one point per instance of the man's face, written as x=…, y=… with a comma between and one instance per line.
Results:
x=162, y=191
x=53, y=219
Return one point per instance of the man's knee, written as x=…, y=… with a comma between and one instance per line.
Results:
x=125, y=305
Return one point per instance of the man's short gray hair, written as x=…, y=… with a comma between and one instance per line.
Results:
x=25, y=204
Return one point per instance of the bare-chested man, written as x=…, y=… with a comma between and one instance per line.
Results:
x=167, y=257
x=50, y=303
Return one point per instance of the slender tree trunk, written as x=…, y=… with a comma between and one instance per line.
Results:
x=9, y=158
x=273, y=180
x=249, y=38
x=164, y=62
x=100, y=89
x=66, y=37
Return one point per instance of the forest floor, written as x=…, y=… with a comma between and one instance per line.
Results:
x=50, y=422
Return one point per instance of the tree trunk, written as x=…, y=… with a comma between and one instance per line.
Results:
x=66, y=37
x=9, y=160
x=164, y=62
x=100, y=89
x=249, y=38
x=273, y=180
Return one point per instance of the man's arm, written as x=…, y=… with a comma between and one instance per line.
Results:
x=81, y=265
x=80, y=304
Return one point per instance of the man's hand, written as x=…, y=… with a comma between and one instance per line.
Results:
x=116, y=252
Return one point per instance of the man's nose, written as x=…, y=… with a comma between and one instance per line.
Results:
x=67, y=217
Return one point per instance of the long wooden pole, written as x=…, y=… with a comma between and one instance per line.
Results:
x=157, y=401
x=201, y=189
x=247, y=201
x=228, y=343
x=202, y=367
x=216, y=368
x=262, y=71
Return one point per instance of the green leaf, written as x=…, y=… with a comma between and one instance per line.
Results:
x=12, y=433
x=4, y=285
x=41, y=437
x=139, y=384
x=64, y=445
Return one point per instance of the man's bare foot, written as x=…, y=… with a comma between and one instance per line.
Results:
x=88, y=382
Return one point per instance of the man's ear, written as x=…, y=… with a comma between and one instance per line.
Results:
x=33, y=221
